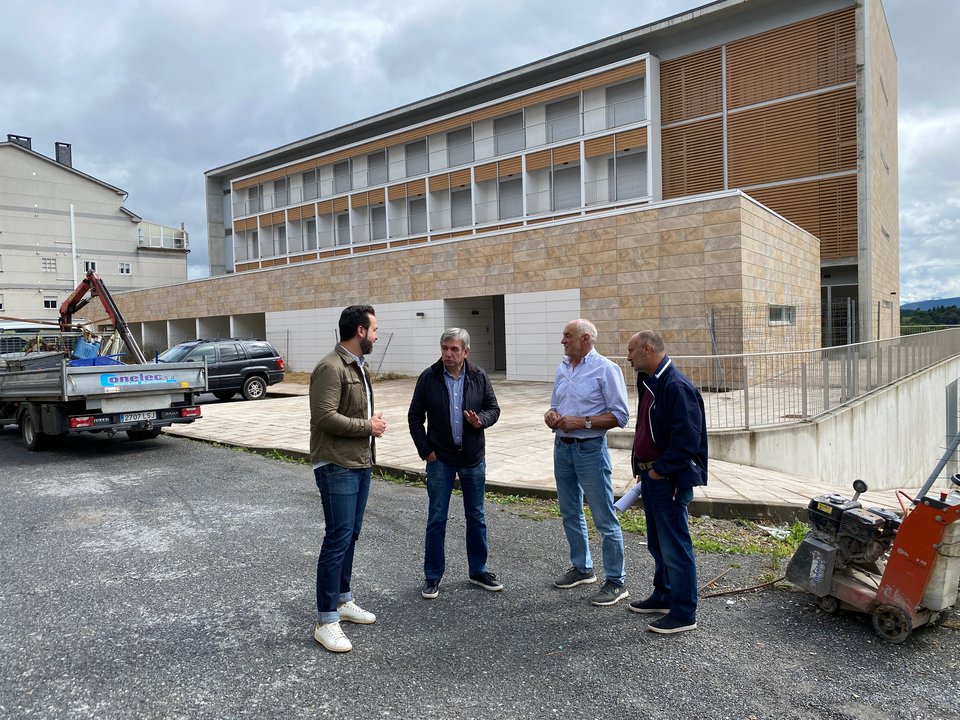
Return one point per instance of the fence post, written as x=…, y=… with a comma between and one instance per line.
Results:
x=826, y=382
x=746, y=397
x=803, y=391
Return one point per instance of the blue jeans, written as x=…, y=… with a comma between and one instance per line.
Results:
x=668, y=540
x=582, y=469
x=440, y=477
x=343, y=492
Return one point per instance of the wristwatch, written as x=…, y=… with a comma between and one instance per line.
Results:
x=586, y=422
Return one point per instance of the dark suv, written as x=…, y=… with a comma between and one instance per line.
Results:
x=244, y=366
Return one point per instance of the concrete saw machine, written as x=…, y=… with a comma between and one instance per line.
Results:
x=902, y=568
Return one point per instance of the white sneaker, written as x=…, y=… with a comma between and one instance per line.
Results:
x=351, y=612
x=332, y=638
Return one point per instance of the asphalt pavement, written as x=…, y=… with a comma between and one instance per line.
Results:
x=175, y=579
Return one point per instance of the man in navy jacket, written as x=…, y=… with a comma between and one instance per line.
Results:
x=458, y=403
x=670, y=458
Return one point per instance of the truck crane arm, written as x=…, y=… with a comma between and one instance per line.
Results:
x=90, y=287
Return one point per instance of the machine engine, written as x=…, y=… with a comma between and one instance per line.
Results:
x=861, y=535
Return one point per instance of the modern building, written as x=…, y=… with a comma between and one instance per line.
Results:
x=727, y=175
x=57, y=223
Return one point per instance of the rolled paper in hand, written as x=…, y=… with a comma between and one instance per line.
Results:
x=631, y=496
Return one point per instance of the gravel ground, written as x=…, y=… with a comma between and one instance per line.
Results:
x=171, y=579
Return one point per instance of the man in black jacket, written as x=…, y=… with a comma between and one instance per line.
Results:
x=458, y=402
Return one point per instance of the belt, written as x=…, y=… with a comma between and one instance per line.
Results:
x=572, y=440
x=644, y=465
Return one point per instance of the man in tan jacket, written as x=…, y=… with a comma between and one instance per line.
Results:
x=343, y=428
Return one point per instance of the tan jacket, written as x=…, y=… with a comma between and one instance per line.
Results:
x=340, y=430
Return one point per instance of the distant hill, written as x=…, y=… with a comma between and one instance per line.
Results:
x=929, y=304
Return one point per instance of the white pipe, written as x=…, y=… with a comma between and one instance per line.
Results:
x=73, y=246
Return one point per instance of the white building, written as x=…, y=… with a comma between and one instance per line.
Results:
x=47, y=207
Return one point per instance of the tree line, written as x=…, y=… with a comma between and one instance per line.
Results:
x=940, y=315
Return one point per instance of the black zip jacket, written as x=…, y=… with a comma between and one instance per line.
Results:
x=432, y=401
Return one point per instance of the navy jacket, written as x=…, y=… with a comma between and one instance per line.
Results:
x=432, y=401
x=678, y=424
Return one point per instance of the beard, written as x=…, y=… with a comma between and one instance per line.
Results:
x=366, y=346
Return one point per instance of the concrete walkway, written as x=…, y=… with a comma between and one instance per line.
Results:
x=519, y=449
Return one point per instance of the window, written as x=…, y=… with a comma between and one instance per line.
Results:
x=230, y=352
x=48, y=264
x=254, y=202
x=625, y=103
x=783, y=315
x=1, y=302
x=341, y=177
x=508, y=132
x=416, y=155
x=417, y=215
x=629, y=173
x=50, y=303
x=310, y=185
x=281, y=192
x=461, y=208
x=343, y=228
x=280, y=239
x=566, y=188
x=124, y=268
x=89, y=265
x=378, y=222
x=563, y=119
x=377, y=168
x=460, y=147
x=310, y=239
x=204, y=352
x=511, y=198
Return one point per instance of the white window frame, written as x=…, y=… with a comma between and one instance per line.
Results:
x=89, y=265
x=49, y=302
x=124, y=268
x=48, y=264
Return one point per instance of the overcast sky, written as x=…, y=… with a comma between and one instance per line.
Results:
x=152, y=94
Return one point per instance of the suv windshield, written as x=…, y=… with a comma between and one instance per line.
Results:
x=176, y=353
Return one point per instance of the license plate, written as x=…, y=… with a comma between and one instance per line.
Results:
x=135, y=417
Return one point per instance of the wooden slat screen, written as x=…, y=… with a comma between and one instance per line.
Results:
x=416, y=187
x=325, y=207
x=376, y=196
x=825, y=208
x=511, y=166
x=279, y=217
x=538, y=160
x=598, y=146
x=632, y=139
x=690, y=86
x=460, y=178
x=566, y=154
x=358, y=200
x=397, y=192
x=266, y=220
x=241, y=225
x=340, y=204
x=308, y=211
x=295, y=213
x=482, y=173
x=438, y=182
x=813, y=135
x=614, y=75
x=807, y=55
x=692, y=159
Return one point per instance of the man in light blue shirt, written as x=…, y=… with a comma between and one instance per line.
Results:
x=589, y=397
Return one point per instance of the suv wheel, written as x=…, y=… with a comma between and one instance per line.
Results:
x=254, y=388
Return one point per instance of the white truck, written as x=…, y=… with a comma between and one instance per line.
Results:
x=47, y=393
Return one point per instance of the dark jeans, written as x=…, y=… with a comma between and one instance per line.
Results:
x=344, y=494
x=440, y=476
x=668, y=540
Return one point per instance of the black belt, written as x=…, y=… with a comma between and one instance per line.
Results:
x=644, y=465
x=572, y=440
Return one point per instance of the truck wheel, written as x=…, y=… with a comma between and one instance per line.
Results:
x=224, y=394
x=143, y=434
x=30, y=429
x=254, y=388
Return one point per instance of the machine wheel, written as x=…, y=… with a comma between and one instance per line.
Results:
x=30, y=429
x=892, y=624
x=224, y=394
x=829, y=604
x=144, y=434
x=254, y=388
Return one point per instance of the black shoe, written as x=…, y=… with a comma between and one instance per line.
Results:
x=431, y=588
x=668, y=625
x=487, y=580
x=609, y=594
x=650, y=606
x=573, y=577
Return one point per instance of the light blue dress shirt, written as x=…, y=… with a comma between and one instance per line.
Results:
x=595, y=386
x=455, y=391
